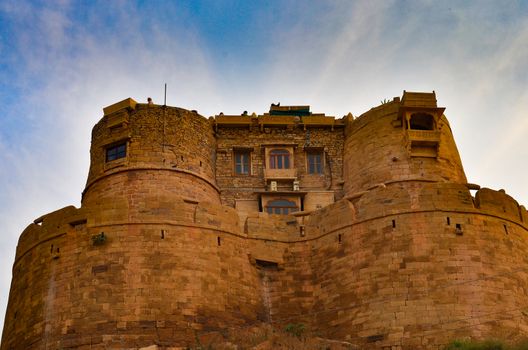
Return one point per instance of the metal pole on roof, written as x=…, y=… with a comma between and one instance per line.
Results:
x=164, y=117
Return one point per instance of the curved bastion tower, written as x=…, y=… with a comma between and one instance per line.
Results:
x=362, y=229
x=151, y=256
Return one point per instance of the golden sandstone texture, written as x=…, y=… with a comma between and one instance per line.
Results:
x=192, y=231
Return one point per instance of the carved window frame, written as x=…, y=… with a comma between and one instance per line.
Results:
x=242, y=161
x=280, y=158
x=116, y=151
x=315, y=162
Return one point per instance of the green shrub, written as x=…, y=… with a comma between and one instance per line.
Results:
x=296, y=329
x=472, y=345
x=484, y=345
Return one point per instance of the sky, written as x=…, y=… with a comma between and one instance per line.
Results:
x=62, y=61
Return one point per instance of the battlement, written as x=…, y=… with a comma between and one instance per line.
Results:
x=49, y=227
x=386, y=202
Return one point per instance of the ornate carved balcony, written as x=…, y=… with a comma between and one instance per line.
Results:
x=423, y=143
x=279, y=174
x=431, y=136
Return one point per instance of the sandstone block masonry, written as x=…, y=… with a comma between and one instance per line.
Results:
x=363, y=229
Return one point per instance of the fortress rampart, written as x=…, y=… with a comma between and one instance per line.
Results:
x=371, y=234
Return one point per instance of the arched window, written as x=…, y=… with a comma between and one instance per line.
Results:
x=281, y=206
x=279, y=159
x=421, y=121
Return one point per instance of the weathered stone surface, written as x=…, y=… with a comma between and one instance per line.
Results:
x=173, y=248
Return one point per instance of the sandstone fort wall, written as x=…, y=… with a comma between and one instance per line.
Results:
x=392, y=250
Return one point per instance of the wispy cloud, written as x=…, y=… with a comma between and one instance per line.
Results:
x=66, y=75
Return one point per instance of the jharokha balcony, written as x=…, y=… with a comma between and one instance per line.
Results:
x=423, y=143
x=279, y=174
x=430, y=136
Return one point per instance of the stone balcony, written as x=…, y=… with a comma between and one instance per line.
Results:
x=280, y=174
x=430, y=136
x=423, y=143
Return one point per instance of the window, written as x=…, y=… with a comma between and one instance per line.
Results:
x=116, y=152
x=315, y=162
x=279, y=159
x=422, y=121
x=242, y=162
x=281, y=206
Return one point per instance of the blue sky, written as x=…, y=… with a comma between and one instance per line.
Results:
x=62, y=61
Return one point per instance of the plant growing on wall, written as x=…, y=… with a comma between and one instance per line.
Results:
x=295, y=329
x=99, y=239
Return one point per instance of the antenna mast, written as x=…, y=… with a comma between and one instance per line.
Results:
x=164, y=118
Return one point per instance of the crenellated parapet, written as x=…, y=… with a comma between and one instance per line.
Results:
x=156, y=210
x=386, y=202
x=500, y=204
x=49, y=227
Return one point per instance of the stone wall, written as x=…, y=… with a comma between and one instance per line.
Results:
x=412, y=279
x=161, y=280
x=406, y=258
x=237, y=187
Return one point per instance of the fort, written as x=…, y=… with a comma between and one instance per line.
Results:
x=364, y=229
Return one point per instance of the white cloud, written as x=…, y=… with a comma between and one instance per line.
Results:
x=75, y=74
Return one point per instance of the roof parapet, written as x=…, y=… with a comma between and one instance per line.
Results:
x=277, y=109
x=419, y=99
x=126, y=103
